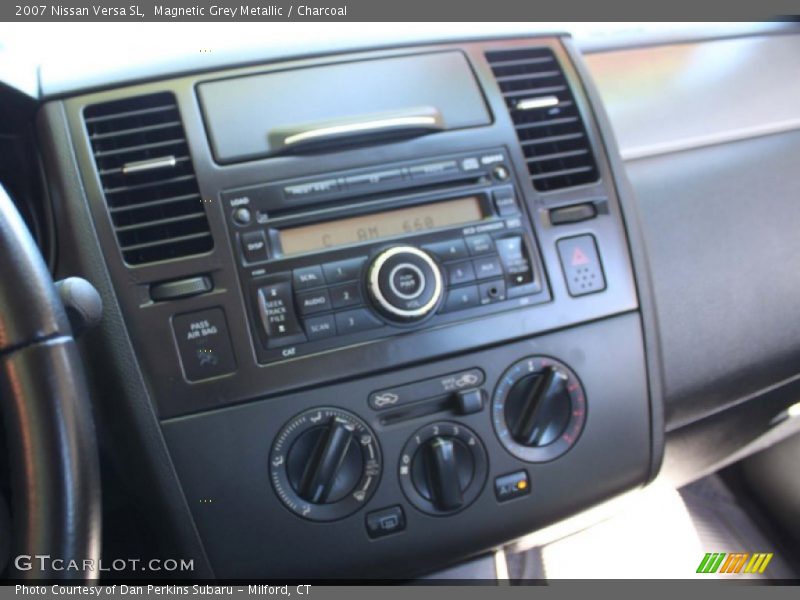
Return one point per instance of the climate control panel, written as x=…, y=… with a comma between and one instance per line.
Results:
x=466, y=452
x=326, y=463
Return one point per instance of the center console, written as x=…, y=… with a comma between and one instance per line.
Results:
x=383, y=303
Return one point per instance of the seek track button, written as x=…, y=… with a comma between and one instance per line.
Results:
x=277, y=314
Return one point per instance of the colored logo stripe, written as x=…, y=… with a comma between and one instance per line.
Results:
x=758, y=563
x=713, y=562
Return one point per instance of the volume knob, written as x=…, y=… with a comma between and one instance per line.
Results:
x=405, y=283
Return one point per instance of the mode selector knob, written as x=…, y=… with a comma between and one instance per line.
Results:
x=405, y=283
x=325, y=464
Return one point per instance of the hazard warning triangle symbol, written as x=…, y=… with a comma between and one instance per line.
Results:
x=578, y=257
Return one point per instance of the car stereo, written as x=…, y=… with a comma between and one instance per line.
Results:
x=344, y=258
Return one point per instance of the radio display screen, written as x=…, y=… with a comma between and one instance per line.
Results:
x=308, y=238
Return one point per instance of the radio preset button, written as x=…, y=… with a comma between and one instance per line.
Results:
x=308, y=277
x=461, y=298
x=314, y=302
x=318, y=328
x=488, y=266
x=448, y=250
x=480, y=244
x=277, y=314
x=347, y=294
x=343, y=270
x=352, y=321
x=254, y=246
x=459, y=273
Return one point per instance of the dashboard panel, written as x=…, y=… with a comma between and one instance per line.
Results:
x=399, y=320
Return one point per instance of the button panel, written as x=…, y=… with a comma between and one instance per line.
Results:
x=315, y=305
x=311, y=303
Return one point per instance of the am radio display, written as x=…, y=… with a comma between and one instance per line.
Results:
x=354, y=230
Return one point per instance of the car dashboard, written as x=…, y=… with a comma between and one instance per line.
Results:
x=371, y=312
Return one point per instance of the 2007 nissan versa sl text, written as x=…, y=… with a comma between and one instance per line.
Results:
x=292, y=303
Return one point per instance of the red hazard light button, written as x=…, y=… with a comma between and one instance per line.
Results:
x=583, y=271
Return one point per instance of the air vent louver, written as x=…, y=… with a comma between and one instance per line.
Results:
x=547, y=121
x=148, y=179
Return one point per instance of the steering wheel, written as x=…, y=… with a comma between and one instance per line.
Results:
x=50, y=437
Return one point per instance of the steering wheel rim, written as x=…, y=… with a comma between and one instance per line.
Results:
x=50, y=436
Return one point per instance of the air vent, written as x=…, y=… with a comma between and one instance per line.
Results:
x=148, y=179
x=547, y=121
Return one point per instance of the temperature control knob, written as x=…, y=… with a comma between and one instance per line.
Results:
x=539, y=409
x=405, y=283
x=325, y=464
x=443, y=468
